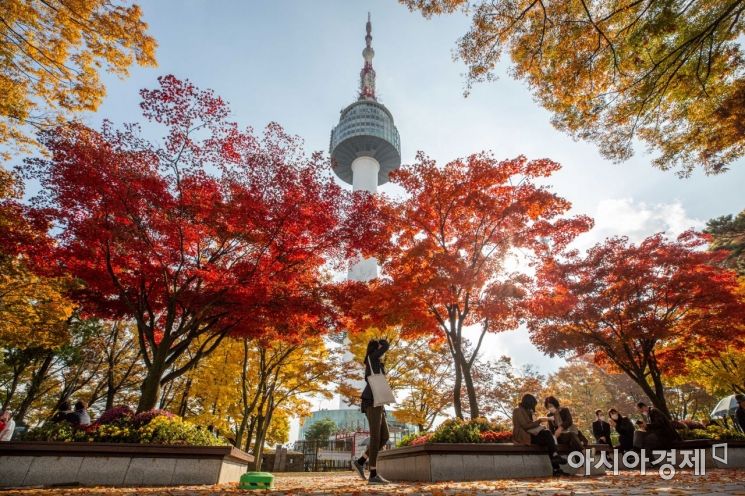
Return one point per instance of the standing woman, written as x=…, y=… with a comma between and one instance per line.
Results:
x=375, y=414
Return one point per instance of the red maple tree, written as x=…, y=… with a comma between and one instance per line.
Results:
x=627, y=304
x=210, y=233
x=451, y=237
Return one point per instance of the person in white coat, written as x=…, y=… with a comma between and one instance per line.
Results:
x=7, y=433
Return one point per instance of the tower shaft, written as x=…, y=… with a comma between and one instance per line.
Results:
x=364, y=178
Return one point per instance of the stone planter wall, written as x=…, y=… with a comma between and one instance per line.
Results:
x=471, y=462
x=467, y=462
x=114, y=464
x=735, y=456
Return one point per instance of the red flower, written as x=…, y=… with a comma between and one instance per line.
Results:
x=421, y=440
x=496, y=437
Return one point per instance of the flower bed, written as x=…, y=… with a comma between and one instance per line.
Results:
x=461, y=431
x=712, y=433
x=122, y=425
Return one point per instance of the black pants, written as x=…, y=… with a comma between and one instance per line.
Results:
x=545, y=438
x=572, y=439
x=378, y=433
x=626, y=440
x=657, y=441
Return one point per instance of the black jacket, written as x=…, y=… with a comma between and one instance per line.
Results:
x=601, y=428
x=375, y=356
x=660, y=425
x=61, y=416
x=625, y=429
x=564, y=419
x=740, y=417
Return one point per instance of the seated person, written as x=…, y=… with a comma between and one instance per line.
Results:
x=562, y=425
x=79, y=416
x=62, y=413
x=660, y=433
x=740, y=412
x=601, y=429
x=526, y=430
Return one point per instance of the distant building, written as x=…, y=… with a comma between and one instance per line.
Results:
x=350, y=422
x=348, y=443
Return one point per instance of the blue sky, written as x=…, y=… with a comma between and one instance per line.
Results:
x=298, y=62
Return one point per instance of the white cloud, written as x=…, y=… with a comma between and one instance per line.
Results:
x=517, y=345
x=637, y=220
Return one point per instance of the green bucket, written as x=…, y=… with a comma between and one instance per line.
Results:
x=256, y=480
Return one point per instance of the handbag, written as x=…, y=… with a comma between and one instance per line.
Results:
x=381, y=390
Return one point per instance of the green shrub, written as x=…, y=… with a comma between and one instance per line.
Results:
x=51, y=431
x=457, y=431
x=174, y=430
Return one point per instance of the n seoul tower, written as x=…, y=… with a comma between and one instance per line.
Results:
x=365, y=146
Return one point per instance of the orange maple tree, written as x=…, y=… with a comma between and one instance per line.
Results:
x=628, y=304
x=451, y=237
x=210, y=233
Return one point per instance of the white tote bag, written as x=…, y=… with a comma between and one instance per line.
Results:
x=381, y=390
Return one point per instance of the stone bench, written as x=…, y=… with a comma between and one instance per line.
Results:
x=37, y=463
x=471, y=462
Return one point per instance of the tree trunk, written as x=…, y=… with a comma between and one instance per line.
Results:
x=658, y=400
x=150, y=389
x=261, y=434
x=659, y=389
x=637, y=374
x=258, y=444
x=183, y=404
x=19, y=361
x=37, y=379
x=458, y=383
x=110, y=380
x=110, y=395
x=240, y=431
x=473, y=401
x=250, y=433
x=12, y=388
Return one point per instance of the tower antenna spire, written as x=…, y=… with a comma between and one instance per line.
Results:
x=367, y=74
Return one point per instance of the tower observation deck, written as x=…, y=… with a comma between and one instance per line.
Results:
x=365, y=146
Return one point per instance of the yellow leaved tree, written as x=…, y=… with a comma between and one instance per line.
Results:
x=33, y=309
x=250, y=389
x=51, y=52
x=669, y=74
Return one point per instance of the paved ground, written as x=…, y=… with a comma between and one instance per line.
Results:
x=715, y=482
